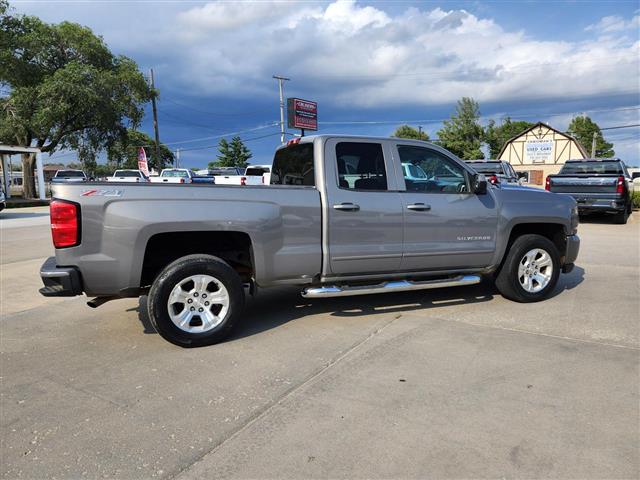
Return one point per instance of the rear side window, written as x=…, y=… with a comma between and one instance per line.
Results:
x=293, y=165
x=361, y=166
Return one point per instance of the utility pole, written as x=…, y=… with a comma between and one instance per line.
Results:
x=280, y=80
x=177, y=158
x=419, y=132
x=155, y=120
x=593, y=145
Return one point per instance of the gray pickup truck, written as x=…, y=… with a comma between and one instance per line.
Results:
x=339, y=218
x=599, y=185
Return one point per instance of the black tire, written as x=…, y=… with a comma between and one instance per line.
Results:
x=507, y=281
x=176, y=272
x=622, y=217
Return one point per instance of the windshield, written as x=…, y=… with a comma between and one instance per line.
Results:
x=126, y=173
x=174, y=173
x=577, y=168
x=256, y=171
x=70, y=174
x=493, y=168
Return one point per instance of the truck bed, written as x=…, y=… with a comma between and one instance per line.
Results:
x=119, y=219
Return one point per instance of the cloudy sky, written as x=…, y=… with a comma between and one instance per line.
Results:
x=371, y=65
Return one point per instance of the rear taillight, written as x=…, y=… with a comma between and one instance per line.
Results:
x=547, y=184
x=620, y=186
x=493, y=179
x=65, y=227
x=243, y=180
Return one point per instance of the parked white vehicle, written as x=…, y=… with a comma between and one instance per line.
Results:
x=71, y=176
x=173, y=175
x=129, y=176
x=253, y=175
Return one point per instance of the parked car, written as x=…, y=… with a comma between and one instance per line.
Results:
x=133, y=176
x=196, y=250
x=173, y=175
x=252, y=175
x=3, y=202
x=597, y=184
x=72, y=176
x=496, y=171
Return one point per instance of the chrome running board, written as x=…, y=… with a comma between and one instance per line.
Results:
x=390, y=286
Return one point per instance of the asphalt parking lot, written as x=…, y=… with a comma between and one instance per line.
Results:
x=455, y=383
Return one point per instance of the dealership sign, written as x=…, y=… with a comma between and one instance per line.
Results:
x=302, y=114
x=539, y=151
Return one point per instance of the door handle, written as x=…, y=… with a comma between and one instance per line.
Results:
x=419, y=207
x=347, y=207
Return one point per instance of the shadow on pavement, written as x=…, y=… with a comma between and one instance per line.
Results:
x=602, y=218
x=9, y=214
x=274, y=307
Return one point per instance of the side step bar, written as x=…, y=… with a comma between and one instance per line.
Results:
x=391, y=286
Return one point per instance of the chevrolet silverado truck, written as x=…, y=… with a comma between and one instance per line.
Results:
x=597, y=184
x=338, y=218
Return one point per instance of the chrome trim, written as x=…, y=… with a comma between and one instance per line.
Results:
x=366, y=257
x=449, y=252
x=390, y=286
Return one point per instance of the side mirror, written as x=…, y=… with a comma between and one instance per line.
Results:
x=479, y=184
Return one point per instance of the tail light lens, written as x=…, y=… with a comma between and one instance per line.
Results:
x=547, y=184
x=65, y=223
x=493, y=179
x=620, y=186
x=243, y=180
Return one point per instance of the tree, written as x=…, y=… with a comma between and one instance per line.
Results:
x=123, y=152
x=462, y=134
x=497, y=136
x=583, y=129
x=234, y=154
x=65, y=88
x=406, y=131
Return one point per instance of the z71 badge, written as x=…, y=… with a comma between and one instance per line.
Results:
x=102, y=193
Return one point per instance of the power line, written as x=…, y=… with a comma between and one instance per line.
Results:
x=208, y=112
x=244, y=140
x=220, y=136
x=620, y=126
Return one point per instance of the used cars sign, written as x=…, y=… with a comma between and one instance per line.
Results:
x=302, y=114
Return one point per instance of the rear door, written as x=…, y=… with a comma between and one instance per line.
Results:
x=445, y=225
x=364, y=207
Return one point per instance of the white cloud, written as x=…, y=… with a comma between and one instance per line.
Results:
x=345, y=53
x=614, y=23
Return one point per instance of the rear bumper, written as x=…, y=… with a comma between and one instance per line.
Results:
x=571, y=253
x=589, y=205
x=59, y=281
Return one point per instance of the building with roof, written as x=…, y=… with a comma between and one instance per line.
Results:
x=539, y=151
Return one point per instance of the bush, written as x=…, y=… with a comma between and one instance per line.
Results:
x=635, y=200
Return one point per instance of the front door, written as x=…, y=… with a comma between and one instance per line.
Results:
x=364, y=208
x=445, y=225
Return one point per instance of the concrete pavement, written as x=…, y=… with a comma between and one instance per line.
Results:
x=451, y=383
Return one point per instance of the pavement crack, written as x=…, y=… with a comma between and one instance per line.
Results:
x=289, y=393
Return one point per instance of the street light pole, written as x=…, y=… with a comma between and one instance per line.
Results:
x=155, y=121
x=280, y=87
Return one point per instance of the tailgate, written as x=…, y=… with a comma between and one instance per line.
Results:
x=584, y=184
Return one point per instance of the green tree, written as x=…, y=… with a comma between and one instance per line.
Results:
x=123, y=152
x=232, y=154
x=65, y=88
x=497, y=135
x=462, y=134
x=407, y=131
x=583, y=129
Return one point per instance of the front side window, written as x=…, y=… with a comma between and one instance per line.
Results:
x=293, y=165
x=441, y=174
x=361, y=166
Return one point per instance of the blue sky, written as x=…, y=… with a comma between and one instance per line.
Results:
x=384, y=62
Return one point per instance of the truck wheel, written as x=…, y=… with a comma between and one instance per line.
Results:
x=622, y=217
x=196, y=301
x=530, y=270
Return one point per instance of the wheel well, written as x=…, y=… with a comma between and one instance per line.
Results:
x=164, y=248
x=553, y=231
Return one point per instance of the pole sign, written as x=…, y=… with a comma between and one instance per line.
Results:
x=143, y=165
x=302, y=114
